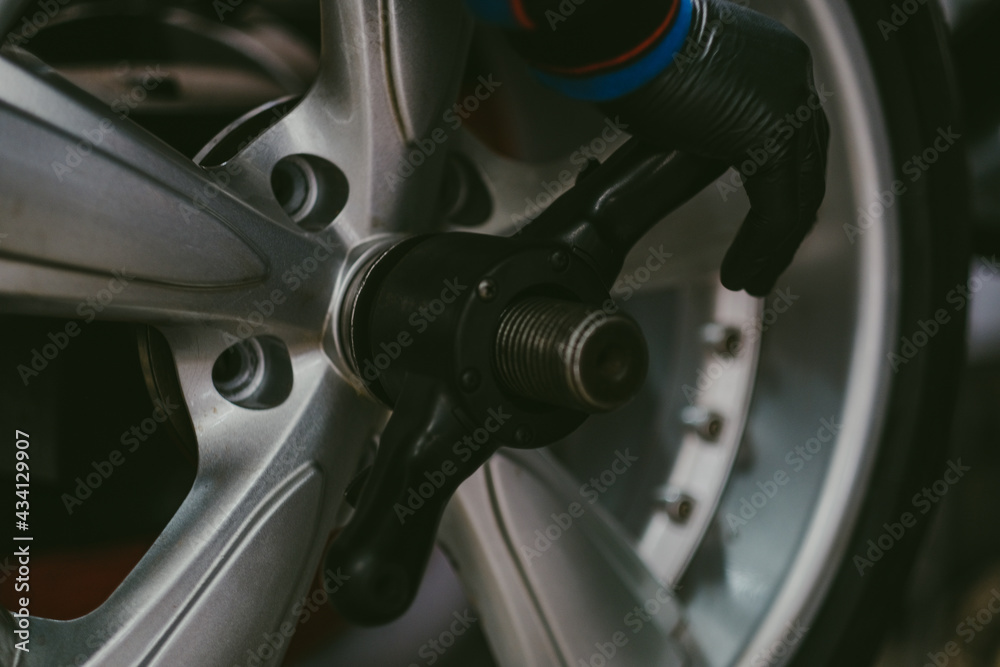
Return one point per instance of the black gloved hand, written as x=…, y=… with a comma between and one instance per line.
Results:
x=732, y=94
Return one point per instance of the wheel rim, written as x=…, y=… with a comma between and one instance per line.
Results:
x=248, y=513
x=744, y=596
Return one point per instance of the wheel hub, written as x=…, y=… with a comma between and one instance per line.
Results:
x=476, y=342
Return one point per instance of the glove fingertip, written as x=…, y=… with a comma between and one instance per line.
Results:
x=730, y=280
x=763, y=283
x=760, y=290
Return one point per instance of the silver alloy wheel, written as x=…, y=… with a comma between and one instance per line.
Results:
x=209, y=246
x=750, y=581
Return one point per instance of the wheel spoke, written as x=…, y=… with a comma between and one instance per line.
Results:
x=91, y=202
x=555, y=578
x=242, y=549
x=389, y=71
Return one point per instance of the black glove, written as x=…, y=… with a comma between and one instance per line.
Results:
x=741, y=91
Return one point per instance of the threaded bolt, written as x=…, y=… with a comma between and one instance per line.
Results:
x=566, y=353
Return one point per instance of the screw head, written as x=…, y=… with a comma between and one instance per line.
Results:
x=680, y=510
x=704, y=422
x=487, y=289
x=684, y=510
x=723, y=339
x=559, y=260
x=524, y=435
x=679, y=505
x=470, y=379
